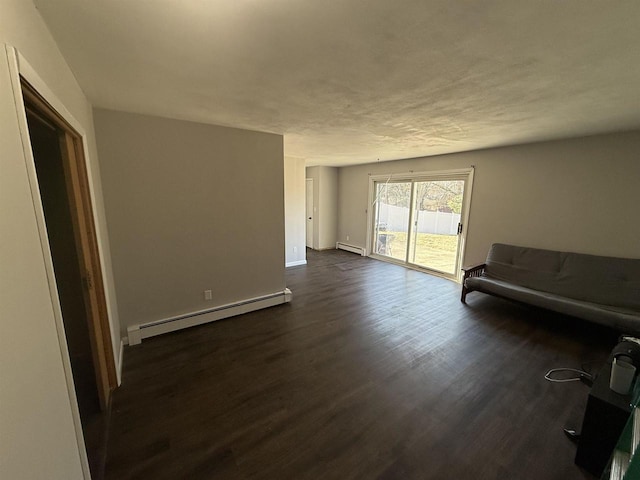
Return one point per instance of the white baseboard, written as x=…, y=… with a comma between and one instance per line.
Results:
x=351, y=248
x=137, y=332
x=296, y=263
x=119, y=365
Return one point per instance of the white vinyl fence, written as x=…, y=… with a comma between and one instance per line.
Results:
x=397, y=220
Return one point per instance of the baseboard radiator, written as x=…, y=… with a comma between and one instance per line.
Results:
x=145, y=330
x=351, y=248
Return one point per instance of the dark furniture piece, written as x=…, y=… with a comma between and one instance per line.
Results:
x=603, y=290
x=604, y=419
x=625, y=460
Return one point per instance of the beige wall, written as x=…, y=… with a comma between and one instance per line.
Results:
x=37, y=438
x=294, y=211
x=325, y=202
x=191, y=207
x=578, y=195
x=328, y=204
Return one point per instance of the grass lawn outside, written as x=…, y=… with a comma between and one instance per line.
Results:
x=433, y=251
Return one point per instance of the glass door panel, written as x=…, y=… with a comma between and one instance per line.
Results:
x=392, y=214
x=437, y=208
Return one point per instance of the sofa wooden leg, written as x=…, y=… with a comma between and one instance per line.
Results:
x=463, y=297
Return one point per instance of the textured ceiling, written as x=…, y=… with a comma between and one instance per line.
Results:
x=353, y=81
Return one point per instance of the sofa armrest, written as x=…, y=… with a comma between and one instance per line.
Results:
x=474, y=271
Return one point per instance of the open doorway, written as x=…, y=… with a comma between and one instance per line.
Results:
x=64, y=193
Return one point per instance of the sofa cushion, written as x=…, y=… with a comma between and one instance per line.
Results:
x=620, y=318
x=590, y=278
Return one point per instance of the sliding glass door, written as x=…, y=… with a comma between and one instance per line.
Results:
x=391, y=229
x=437, y=207
x=419, y=220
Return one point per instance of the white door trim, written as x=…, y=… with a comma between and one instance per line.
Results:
x=18, y=67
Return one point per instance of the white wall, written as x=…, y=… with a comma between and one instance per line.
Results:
x=576, y=195
x=294, y=211
x=37, y=436
x=325, y=201
x=191, y=207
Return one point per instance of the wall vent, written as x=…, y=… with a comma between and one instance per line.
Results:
x=351, y=248
x=137, y=332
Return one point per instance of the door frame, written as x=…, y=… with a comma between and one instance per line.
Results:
x=79, y=170
x=421, y=176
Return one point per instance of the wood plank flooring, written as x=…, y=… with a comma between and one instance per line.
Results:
x=372, y=372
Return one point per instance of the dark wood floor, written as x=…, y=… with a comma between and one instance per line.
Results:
x=372, y=372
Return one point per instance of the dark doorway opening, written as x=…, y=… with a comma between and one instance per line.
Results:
x=65, y=199
x=53, y=193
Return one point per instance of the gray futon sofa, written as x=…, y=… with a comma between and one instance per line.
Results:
x=604, y=290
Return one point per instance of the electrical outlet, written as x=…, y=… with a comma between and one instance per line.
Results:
x=347, y=238
x=208, y=295
x=295, y=249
